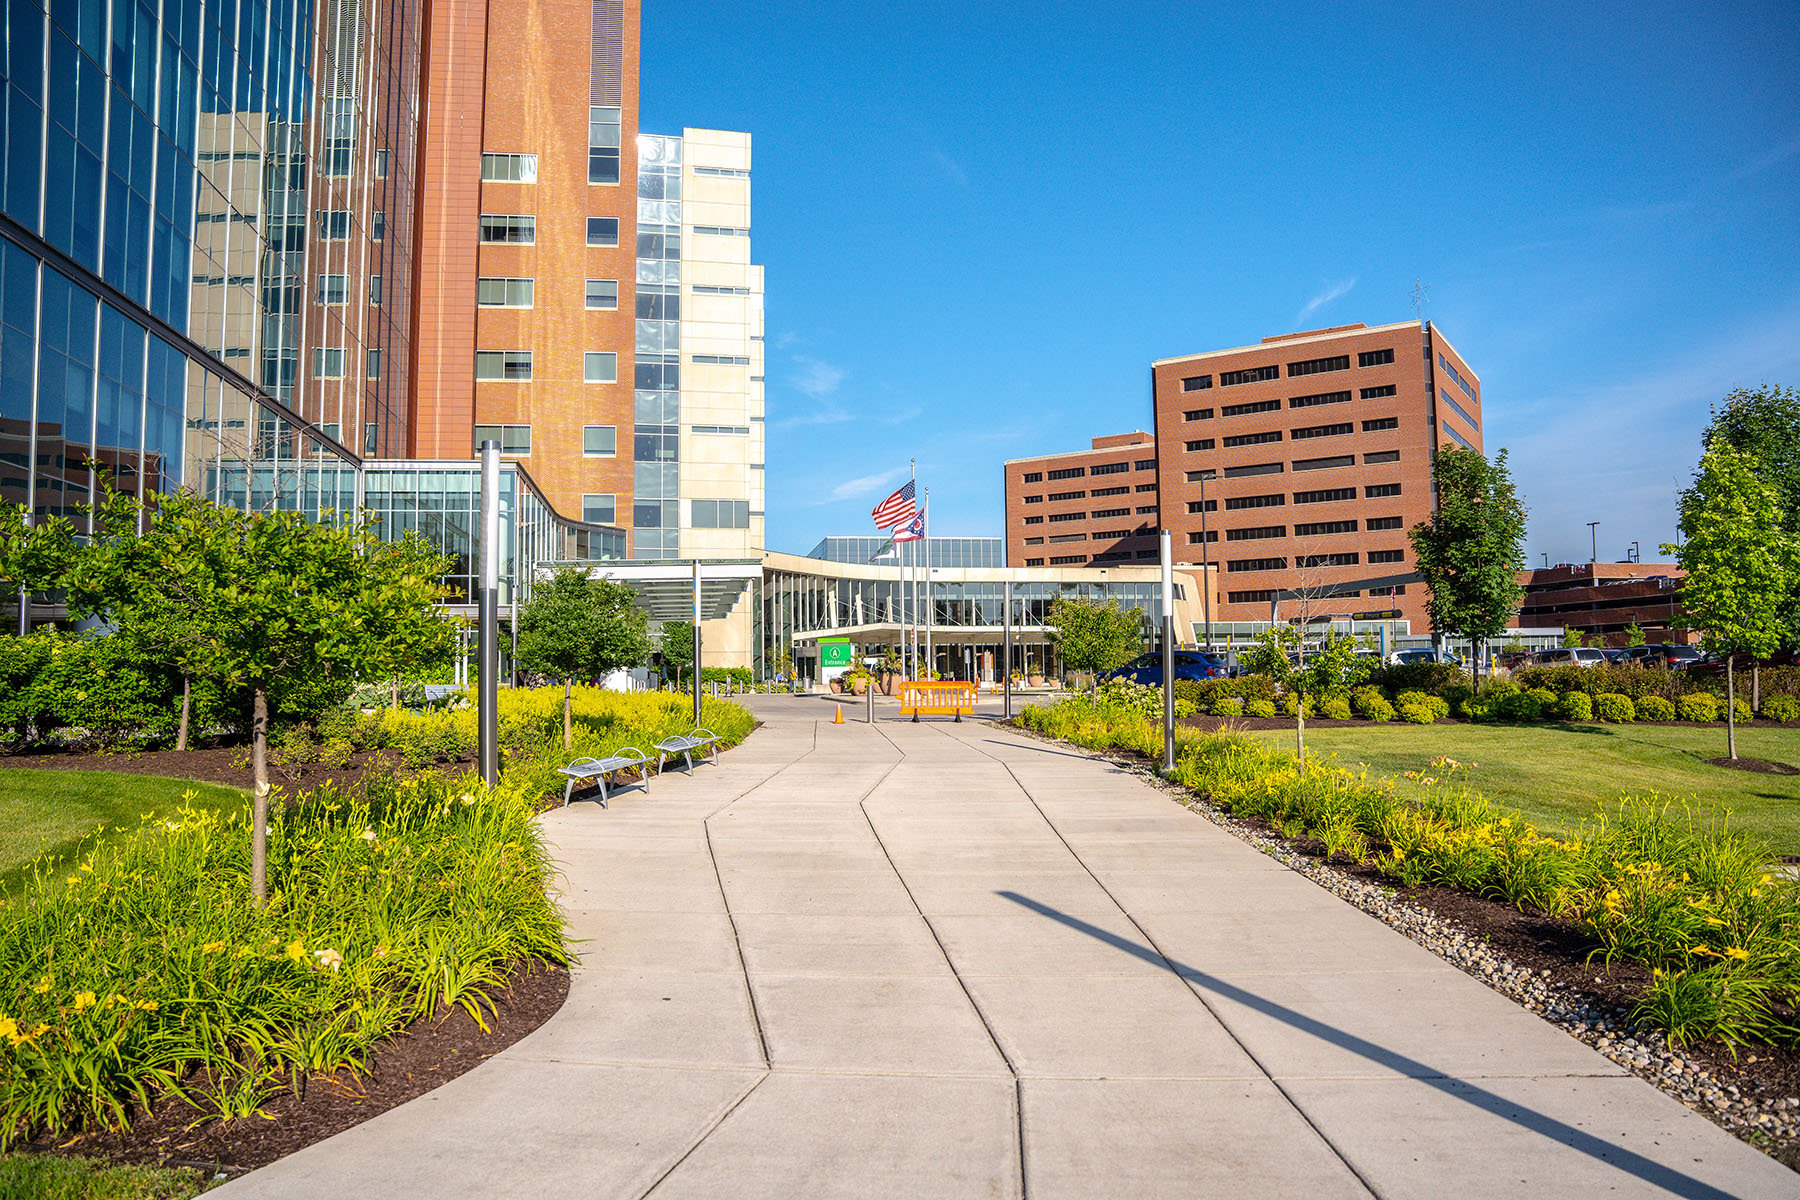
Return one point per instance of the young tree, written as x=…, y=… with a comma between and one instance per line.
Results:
x=1280, y=653
x=1765, y=424
x=35, y=556
x=1472, y=548
x=675, y=639
x=1634, y=635
x=269, y=599
x=1093, y=635
x=403, y=637
x=1572, y=638
x=577, y=626
x=1741, y=561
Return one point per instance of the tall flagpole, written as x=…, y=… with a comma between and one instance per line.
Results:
x=925, y=541
x=912, y=600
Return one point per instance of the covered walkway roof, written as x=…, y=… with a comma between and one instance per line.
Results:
x=665, y=589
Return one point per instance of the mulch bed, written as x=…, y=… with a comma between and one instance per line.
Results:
x=1760, y=766
x=212, y=763
x=423, y=1056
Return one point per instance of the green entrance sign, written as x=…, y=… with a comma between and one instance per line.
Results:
x=838, y=653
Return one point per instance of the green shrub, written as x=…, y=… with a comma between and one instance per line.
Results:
x=1335, y=708
x=1259, y=708
x=1183, y=709
x=1697, y=706
x=1516, y=706
x=1429, y=677
x=1496, y=689
x=1740, y=710
x=1655, y=708
x=1227, y=706
x=1784, y=709
x=1614, y=708
x=1377, y=708
x=1455, y=696
x=1364, y=699
x=1417, y=714
x=1545, y=697
x=1292, y=704
x=1575, y=706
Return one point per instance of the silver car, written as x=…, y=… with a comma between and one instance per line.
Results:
x=1562, y=656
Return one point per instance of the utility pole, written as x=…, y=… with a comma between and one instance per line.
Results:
x=1594, y=538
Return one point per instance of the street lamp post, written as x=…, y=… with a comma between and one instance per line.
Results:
x=1594, y=539
x=1205, y=566
x=487, y=610
x=1168, y=651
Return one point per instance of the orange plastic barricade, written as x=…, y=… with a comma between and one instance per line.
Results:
x=932, y=698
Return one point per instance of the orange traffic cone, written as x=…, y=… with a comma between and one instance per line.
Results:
x=838, y=717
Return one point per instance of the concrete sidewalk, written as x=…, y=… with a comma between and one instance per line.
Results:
x=945, y=960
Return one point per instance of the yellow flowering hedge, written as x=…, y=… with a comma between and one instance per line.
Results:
x=1697, y=904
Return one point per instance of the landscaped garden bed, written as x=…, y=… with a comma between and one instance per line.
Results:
x=150, y=1011
x=1670, y=940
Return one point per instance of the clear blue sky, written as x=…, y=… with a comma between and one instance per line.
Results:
x=981, y=222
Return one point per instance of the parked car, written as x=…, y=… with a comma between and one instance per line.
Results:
x=1663, y=654
x=1422, y=654
x=1562, y=656
x=1148, y=668
x=1614, y=653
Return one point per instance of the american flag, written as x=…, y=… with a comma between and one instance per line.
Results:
x=897, y=509
x=912, y=531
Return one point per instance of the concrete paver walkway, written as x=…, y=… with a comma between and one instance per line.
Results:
x=944, y=960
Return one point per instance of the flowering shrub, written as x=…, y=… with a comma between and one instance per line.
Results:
x=1695, y=903
x=1614, y=709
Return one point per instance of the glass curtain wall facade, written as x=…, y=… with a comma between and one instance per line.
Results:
x=205, y=214
x=656, y=440
x=940, y=552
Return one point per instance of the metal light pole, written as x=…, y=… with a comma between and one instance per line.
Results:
x=1594, y=538
x=1205, y=566
x=1006, y=639
x=696, y=642
x=487, y=608
x=1168, y=652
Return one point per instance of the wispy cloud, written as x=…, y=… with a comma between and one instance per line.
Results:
x=816, y=377
x=1773, y=157
x=1335, y=291
x=951, y=167
x=866, y=485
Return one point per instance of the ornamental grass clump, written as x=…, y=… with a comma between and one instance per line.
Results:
x=145, y=974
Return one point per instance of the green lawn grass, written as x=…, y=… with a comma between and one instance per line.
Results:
x=47, y=1177
x=49, y=812
x=1557, y=775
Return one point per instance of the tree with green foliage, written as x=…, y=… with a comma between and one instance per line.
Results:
x=272, y=603
x=675, y=641
x=404, y=638
x=1280, y=653
x=1572, y=638
x=1472, y=548
x=1764, y=423
x=1634, y=635
x=575, y=626
x=35, y=555
x=1742, y=562
x=1094, y=635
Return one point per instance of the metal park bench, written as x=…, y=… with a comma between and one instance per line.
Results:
x=699, y=739
x=625, y=758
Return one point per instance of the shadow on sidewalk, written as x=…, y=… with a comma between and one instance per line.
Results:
x=1469, y=1093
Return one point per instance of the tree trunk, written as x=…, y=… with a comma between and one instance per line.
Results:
x=1300, y=726
x=187, y=709
x=394, y=692
x=568, y=720
x=1730, y=707
x=1475, y=666
x=1756, y=688
x=259, y=818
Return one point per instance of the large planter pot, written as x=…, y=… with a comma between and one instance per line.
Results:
x=859, y=687
x=890, y=683
x=1036, y=681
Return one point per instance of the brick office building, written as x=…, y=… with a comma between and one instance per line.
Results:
x=585, y=294
x=1085, y=508
x=1314, y=453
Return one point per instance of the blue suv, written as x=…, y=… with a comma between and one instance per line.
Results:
x=1148, y=668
